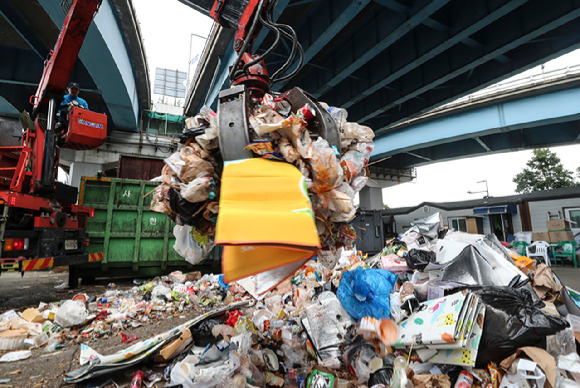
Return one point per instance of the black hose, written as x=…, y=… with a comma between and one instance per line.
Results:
x=249, y=38
x=270, y=49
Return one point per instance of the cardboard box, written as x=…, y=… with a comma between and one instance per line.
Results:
x=175, y=347
x=541, y=236
x=558, y=225
x=561, y=235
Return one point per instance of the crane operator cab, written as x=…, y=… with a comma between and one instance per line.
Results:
x=78, y=127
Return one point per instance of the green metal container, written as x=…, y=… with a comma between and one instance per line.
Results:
x=135, y=241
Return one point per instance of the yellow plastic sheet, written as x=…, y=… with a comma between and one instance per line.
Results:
x=265, y=222
x=524, y=263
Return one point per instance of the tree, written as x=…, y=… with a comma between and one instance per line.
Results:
x=544, y=171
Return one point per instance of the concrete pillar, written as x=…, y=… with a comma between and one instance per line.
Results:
x=79, y=169
x=371, y=198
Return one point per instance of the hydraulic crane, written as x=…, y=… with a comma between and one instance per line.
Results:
x=249, y=77
x=40, y=225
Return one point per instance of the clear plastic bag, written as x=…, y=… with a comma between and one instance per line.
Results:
x=340, y=205
x=195, y=167
x=326, y=171
x=358, y=183
x=160, y=200
x=395, y=299
x=267, y=120
x=561, y=343
x=353, y=163
x=354, y=131
x=197, y=190
x=71, y=313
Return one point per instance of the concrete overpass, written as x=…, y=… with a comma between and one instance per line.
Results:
x=111, y=67
x=541, y=110
x=390, y=61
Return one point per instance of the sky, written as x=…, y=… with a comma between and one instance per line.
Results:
x=167, y=27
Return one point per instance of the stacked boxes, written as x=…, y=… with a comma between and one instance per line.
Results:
x=559, y=230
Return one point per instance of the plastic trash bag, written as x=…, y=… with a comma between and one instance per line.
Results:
x=328, y=324
x=194, y=167
x=190, y=375
x=395, y=299
x=267, y=120
x=326, y=171
x=353, y=163
x=71, y=313
x=202, y=332
x=570, y=363
x=561, y=343
x=365, y=292
x=160, y=200
x=523, y=373
x=513, y=320
x=419, y=259
x=192, y=250
x=358, y=356
x=354, y=131
x=429, y=226
x=197, y=190
x=161, y=292
x=187, y=211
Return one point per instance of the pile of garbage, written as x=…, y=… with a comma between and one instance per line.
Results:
x=435, y=308
x=334, y=173
x=87, y=319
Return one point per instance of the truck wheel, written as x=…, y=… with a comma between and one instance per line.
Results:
x=73, y=277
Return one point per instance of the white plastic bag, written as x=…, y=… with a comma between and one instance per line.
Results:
x=571, y=364
x=161, y=290
x=523, y=372
x=71, y=313
x=215, y=374
x=395, y=299
x=189, y=248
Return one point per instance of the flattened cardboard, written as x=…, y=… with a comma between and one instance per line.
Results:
x=175, y=347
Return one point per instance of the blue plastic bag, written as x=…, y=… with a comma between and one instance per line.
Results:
x=365, y=292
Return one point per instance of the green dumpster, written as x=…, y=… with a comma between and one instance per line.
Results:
x=136, y=241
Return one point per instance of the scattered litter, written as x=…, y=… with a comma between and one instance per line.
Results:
x=16, y=356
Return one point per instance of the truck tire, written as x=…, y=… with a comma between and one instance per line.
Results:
x=73, y=277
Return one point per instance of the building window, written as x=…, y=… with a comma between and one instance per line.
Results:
x=573, y=214
x=459, y=224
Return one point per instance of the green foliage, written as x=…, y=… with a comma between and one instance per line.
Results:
x=544, y=171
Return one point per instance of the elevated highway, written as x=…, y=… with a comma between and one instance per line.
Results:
x=111, y=68
x=541, y=110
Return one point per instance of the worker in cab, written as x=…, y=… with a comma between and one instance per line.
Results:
x=70, y=100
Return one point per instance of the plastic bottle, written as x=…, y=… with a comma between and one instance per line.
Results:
x=338, y=114
x=137, y=380
x=399, y=379
x=465, y=380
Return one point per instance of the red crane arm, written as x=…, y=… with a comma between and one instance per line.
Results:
x=59, y=66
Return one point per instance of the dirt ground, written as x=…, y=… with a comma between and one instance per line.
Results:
x=46, y=370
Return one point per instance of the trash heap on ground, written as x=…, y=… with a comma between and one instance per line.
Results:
x=435, y=308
